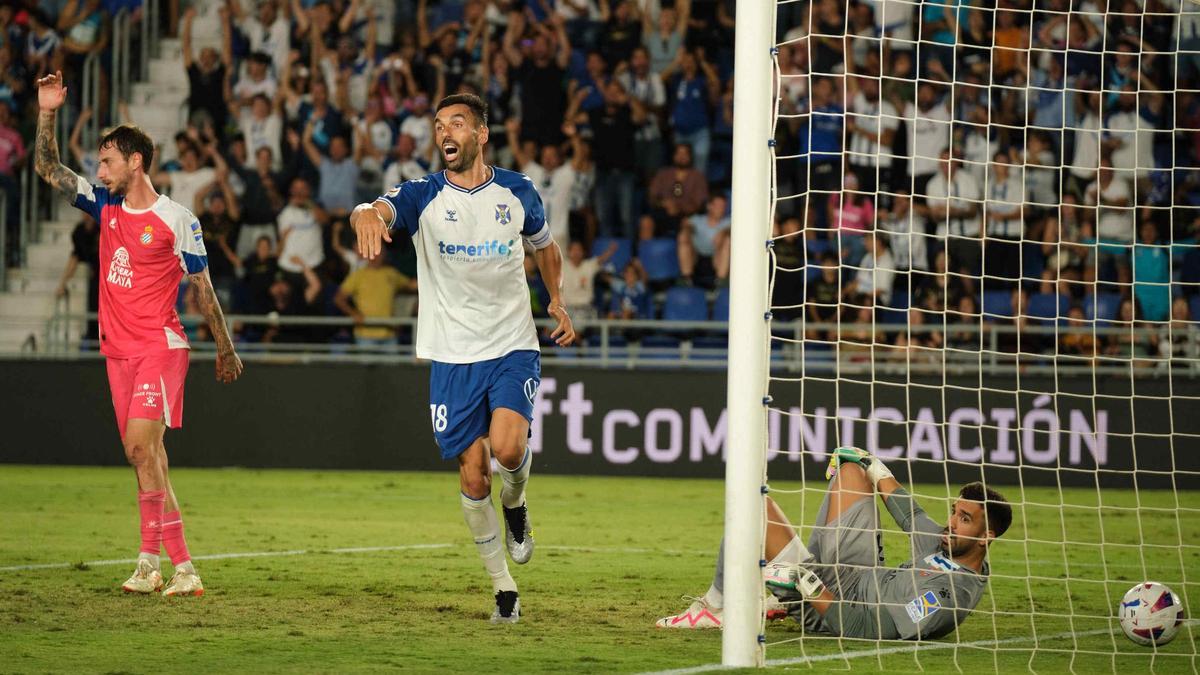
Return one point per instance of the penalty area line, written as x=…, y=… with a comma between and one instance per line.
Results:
x=887, y=651
x=230, y=556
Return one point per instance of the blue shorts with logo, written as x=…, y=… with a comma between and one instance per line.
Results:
x=462, y=396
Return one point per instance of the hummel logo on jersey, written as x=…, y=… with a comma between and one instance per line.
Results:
x=473, y=252
x=451, y=215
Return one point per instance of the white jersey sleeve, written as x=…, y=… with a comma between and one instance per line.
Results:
x=189, y=239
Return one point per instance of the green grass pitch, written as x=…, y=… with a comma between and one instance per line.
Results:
x=613, y=555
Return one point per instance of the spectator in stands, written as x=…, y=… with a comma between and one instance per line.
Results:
x=646, y=87
x=553, y=178
x=289, y=299
x=419, y=125
x=1047, y=94
x=207, y=76
x=1041, y=172
x=259, y=271
x=1005, y=221
x=787, y=293
x=267, y=30
x=621, y=31
x=579, y=279
x=192, y=176
x=13, y=154
x=1115, y=222
x=677, y=191
x=327, y=120
x=872, y=285
x=906, y=232
x=85, y=248
x=255, y=81
x=953, y=207
x=927, y=122
x=852, y=214
x=614, y=126
x=1133, y=345
x=662, y=38
x=218, y=213
x=43, y=54
x=540, y=64
x=373, y=289
x=1179, y=340
x=261, y=126
x=405, y=166
x=591, y=84
x=703, y=243
x=350, y=67
x=697, y=88
x=261, y=197
x=630, y=299
x=1152, y=273
x=1064, y=257
x=871, y=124
x=1079, y=338
x=300, y=238
x=1085, y=161
x=823, y=297
x=821, y=141
x=338, y=191
x=374, y=138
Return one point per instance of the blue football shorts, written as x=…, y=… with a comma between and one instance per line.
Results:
x=462, y=396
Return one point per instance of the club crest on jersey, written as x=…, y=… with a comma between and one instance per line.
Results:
x=451, y=215
x=112, y=223
x=147, y=235
x=503, y=215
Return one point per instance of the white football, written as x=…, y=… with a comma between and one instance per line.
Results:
x=1151, y=614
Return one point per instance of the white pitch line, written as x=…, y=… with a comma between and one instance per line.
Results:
x=228, y=556
x=884, y=651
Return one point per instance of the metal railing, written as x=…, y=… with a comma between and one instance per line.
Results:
x=700, y=345
x=120, y=84
x=150, y=37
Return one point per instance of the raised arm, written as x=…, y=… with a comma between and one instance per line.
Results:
x=185, y=37
x=516, y=26
x=229, y=366
x=310, y=148
x=347, y=21
x=73, y=143
x=51, y=95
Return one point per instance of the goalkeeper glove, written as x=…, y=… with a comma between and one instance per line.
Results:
x=874, y=467
x=793, y=578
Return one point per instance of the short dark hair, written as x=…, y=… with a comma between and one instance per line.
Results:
x=477, y=105
x=128, y=139
x=997, y=511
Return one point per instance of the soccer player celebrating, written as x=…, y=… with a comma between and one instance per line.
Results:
x=147, y=242
x=838, y=584
x=475, y=323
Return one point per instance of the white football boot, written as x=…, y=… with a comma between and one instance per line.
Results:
x=508, y=608
x=698, y=615
x=184, y=583
x=146, y=578
x=516, y=520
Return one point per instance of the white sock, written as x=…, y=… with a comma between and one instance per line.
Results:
x=485, y=528
x=794, y=552
x=152, y=558
x=714, y=597
x=512, y=494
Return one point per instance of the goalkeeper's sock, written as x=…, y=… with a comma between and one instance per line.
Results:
x=794, y=553
x=512, y=494
x=715, y=596
x=485, y=528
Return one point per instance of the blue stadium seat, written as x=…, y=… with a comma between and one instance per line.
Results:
x=660, y=258
x=720, y=310
x=997, y=304
x=685, y=303
x=620, y=257
x=1049, y=306
x=713, y=348
x=1033, y=263
x=1101, y=306
x=1194, y=307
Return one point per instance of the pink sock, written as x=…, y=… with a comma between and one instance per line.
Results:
x=150, y=504
x=172, y=538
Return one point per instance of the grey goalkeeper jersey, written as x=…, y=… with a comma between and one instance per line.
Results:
x=927, y=597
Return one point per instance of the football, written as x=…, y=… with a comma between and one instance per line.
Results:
x=1151, y=614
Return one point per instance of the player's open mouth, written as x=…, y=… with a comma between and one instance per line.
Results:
x=450, y=150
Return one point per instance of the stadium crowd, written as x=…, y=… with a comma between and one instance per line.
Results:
x=934, y=161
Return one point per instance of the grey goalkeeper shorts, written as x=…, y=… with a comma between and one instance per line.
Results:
x=847, y=549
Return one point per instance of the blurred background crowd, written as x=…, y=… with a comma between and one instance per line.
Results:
x=1031, y=161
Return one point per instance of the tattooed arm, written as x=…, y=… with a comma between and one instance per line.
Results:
x=229, y=366
x=51, y=94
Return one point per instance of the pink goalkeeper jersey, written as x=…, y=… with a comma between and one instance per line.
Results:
x=143, y=255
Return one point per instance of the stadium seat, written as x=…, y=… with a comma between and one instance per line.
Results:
x=1194, y=307
x=1033, y=263
x=620, y=258
x=685, y=303
x=1101, y=306
x=710, y=348
x=891, y=315
x=720, y=310
x=1049, y=306
x=997, y=305
x=660, y=258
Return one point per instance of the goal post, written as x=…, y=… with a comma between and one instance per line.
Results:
x=745, y=468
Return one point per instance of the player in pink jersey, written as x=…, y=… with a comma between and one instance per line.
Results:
x=147, y=244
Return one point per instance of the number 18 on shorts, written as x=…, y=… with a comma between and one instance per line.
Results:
x=462, y=396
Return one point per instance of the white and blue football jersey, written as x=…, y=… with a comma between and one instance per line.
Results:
x=473, y=297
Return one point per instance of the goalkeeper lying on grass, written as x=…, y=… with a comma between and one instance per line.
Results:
x=838, y=584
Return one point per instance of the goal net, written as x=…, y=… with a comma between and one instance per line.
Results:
x=983, y=266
